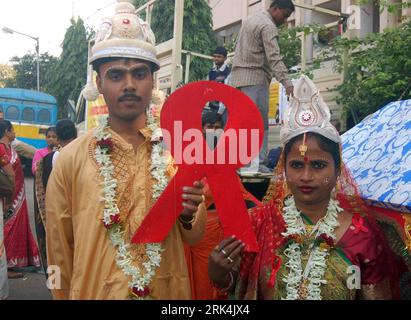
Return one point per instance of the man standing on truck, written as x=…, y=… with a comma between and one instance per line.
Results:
x=257, y=57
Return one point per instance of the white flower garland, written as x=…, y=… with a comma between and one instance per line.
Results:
x=111, y=216
x=317, y=261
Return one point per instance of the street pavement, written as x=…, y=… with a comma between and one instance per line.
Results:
x=33, y=285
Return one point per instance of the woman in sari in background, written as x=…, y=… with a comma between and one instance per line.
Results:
x=316, y=238
x=197, y=255
x=7, y=169
x=51, y=139
x=21, y=248
x=65, y=132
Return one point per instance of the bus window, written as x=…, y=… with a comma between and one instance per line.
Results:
x=44, y=116
x=28, y=114
x=12, y=113
x=1, y=112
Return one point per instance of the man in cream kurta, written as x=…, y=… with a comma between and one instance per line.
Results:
x=76, y=239
x=78, y=245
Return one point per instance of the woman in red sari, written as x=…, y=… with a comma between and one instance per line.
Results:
x=6, y=169
x=197, y=255
x=317, y=240
x=21, y=248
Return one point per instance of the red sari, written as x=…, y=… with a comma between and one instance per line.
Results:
x=21, y=248
x=197, y=255
x=384, y=272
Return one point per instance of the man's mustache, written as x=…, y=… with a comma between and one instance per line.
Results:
x=129, y=96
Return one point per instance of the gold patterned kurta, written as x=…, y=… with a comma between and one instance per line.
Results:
x=77, y=241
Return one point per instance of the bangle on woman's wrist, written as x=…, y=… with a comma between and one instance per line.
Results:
x=187, y=224
x=227, y=288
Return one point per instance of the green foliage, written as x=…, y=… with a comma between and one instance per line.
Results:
x=378, y=70
x=290, y=42
x=139, y=3
x=69, y=75
x=7, y=74
x=391, y=7
x=26, y=71
x=290, y=46
x=198, y=35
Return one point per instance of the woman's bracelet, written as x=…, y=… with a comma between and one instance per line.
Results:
x=227, y=288
x=187, y=224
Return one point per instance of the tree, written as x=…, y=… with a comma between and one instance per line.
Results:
x=198, y=34
x=290, y=45
x=25, y=70
x=70, y=73
x=7, y=74
x=378, y=70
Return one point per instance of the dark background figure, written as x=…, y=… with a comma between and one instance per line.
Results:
x=66, y=132
x=212, y=124
x=197, y=255
x=273, y=157
x=220, y=72
x=51, y=139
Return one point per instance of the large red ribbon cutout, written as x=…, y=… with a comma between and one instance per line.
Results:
x=179, y=116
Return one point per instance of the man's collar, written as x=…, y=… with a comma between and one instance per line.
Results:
x=270, y=16
x=146, y=132
x=222, y=68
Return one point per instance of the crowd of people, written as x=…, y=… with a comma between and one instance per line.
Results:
x=93, y=192
x=18, y=247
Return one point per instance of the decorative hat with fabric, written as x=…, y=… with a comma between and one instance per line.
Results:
x=124, y=35
x=307, y=113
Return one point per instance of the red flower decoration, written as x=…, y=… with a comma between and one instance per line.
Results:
x=105, y=144
x=154, y=111
x=114, y=220
x=358, y=223
x=324, y=238
x=141, y=293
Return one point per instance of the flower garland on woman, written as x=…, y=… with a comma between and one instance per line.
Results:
x=313, y=231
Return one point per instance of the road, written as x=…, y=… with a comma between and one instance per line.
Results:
x=33, y=285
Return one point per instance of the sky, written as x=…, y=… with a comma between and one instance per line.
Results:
x=46, y=19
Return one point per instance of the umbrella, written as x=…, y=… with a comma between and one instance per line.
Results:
x=378, y=153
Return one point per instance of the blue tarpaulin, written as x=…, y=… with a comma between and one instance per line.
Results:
x=378, y=153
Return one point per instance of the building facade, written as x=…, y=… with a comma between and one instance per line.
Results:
x=228, y=16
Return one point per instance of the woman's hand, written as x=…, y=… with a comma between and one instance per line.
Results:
x=192, y=198
x=224, y=259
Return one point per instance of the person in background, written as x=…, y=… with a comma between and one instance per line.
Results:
x=23, y=149
x=21, y=248
x=220, y=72
x=65, y=132
x=51, y=139
x=257, y=58
x=197, y=255
x=5, y=203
